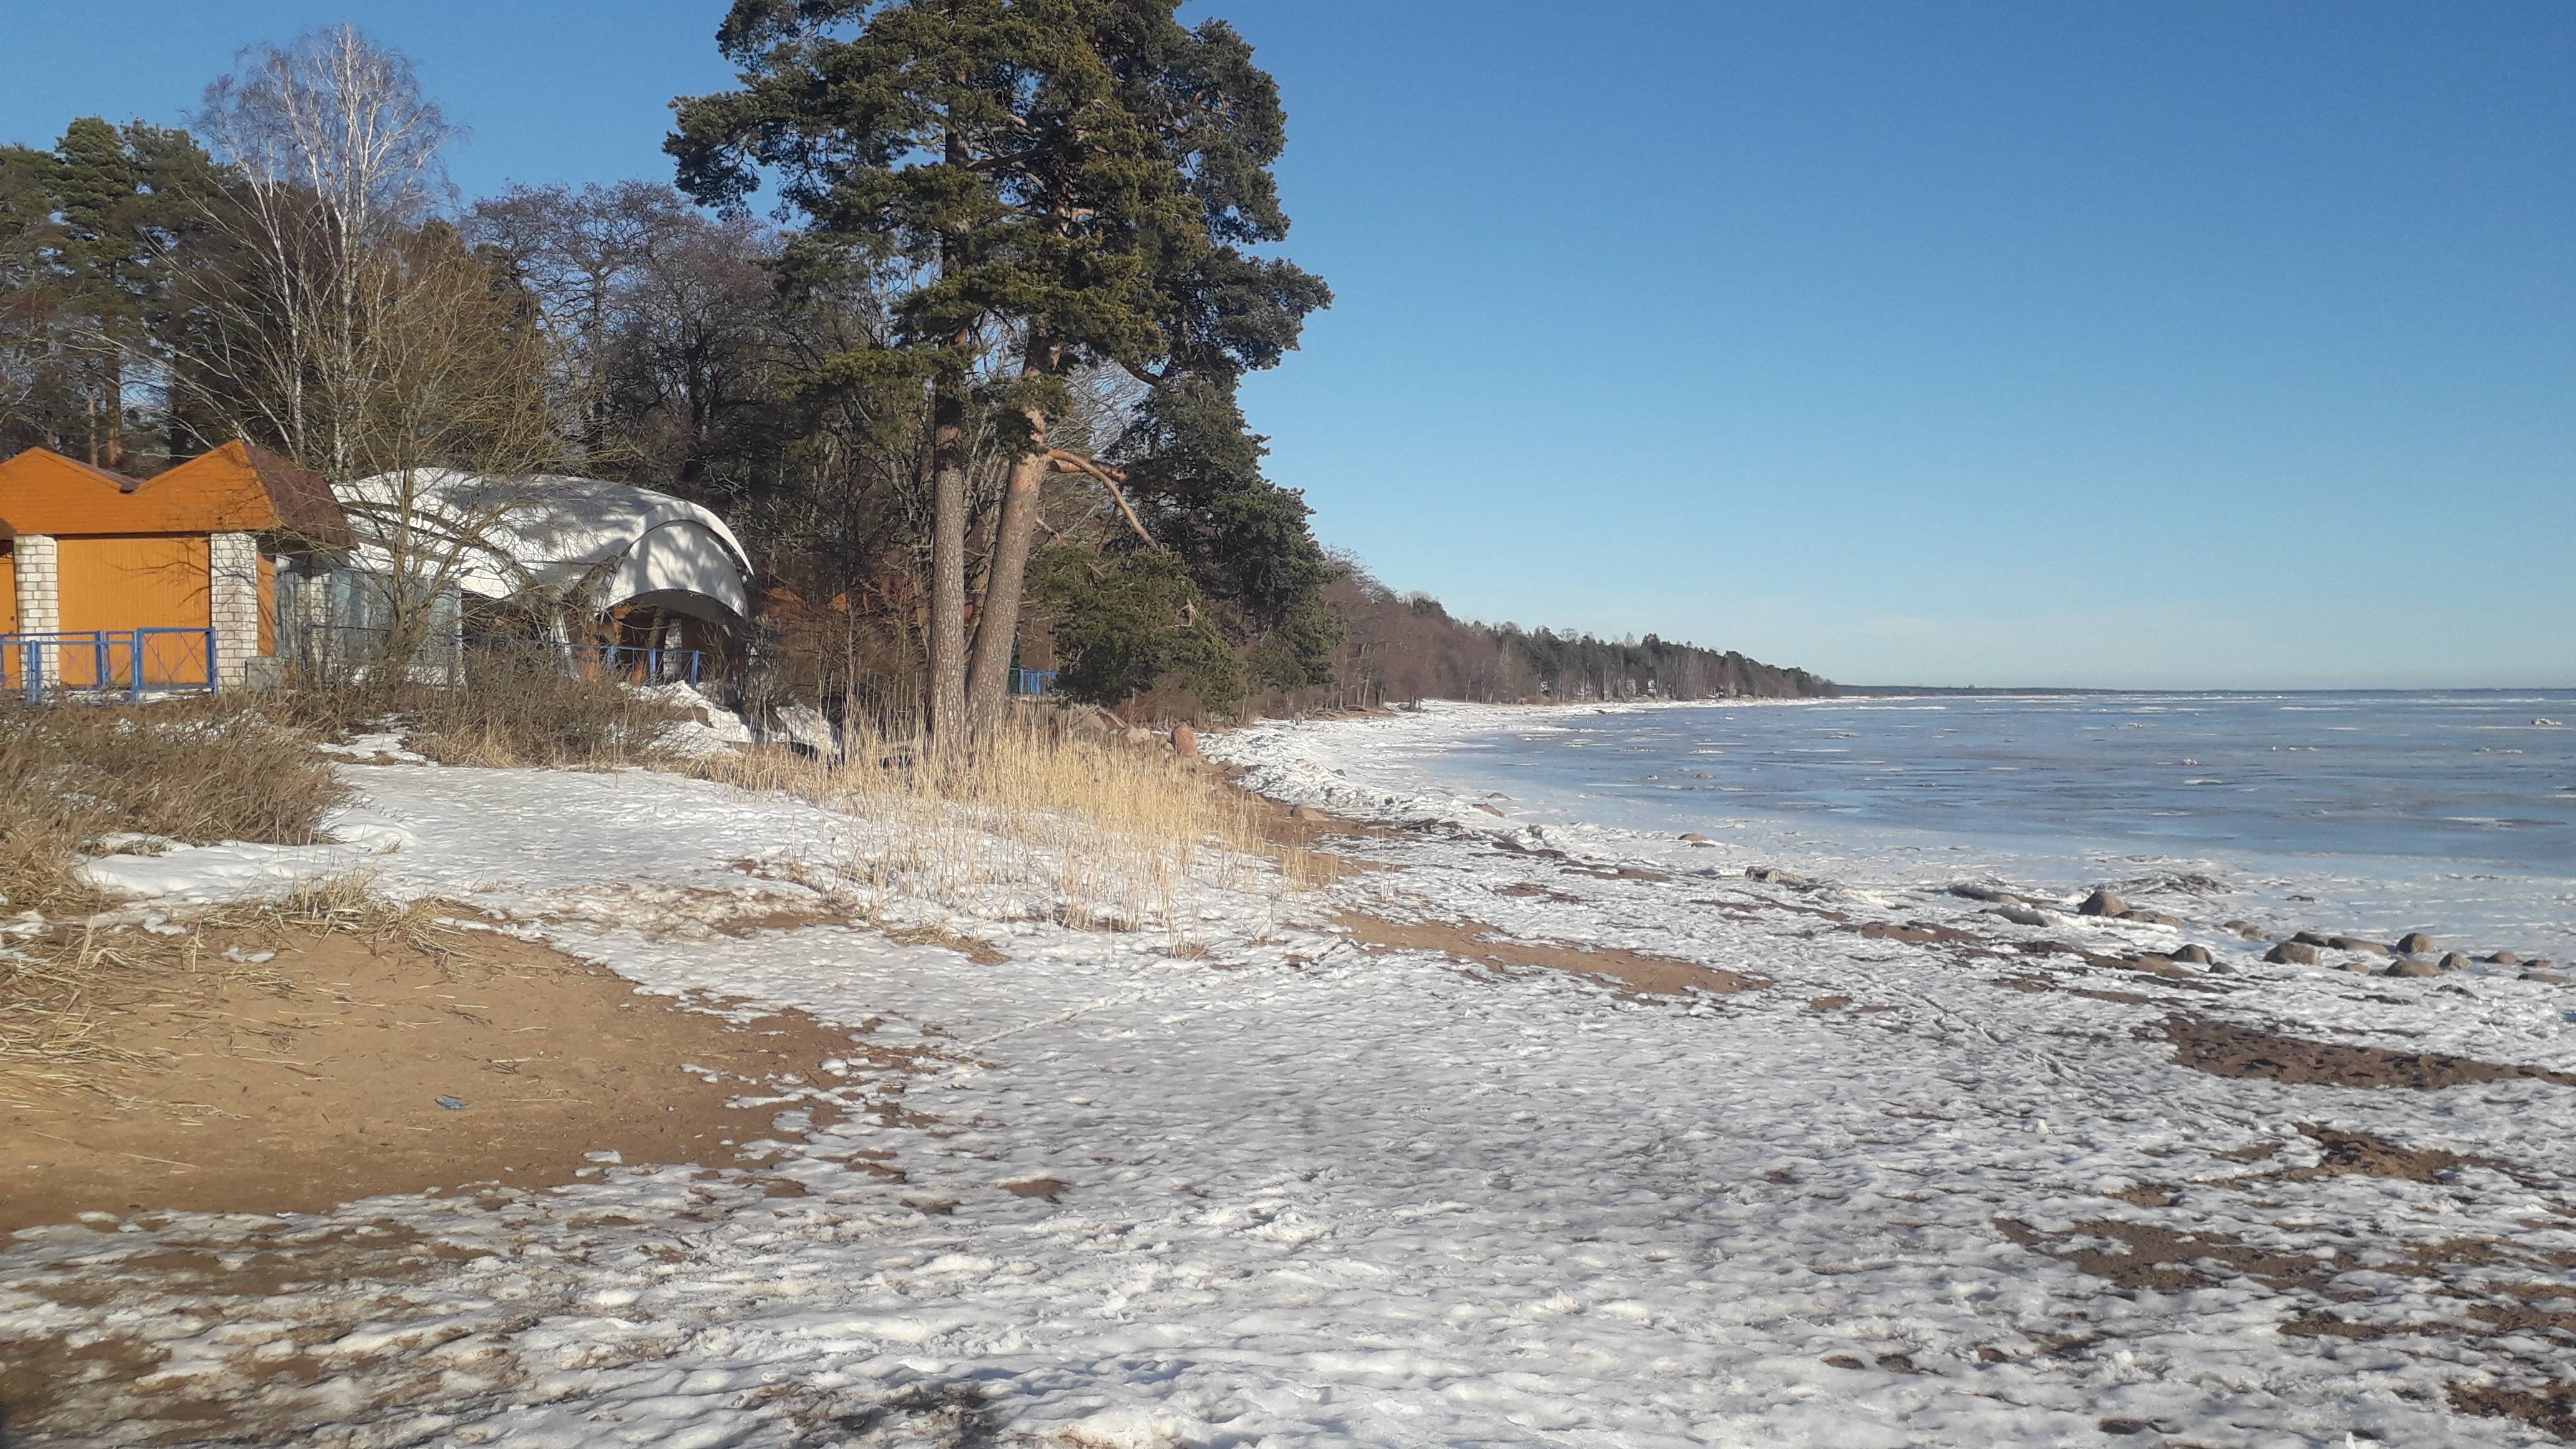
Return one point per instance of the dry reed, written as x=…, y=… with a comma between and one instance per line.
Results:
x=1031, y=820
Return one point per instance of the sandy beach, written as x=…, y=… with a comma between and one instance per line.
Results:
x=1498, y=1138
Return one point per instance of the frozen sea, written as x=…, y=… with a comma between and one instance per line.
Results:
x=2450, y=812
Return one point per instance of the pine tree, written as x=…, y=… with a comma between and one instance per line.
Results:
x=1072, y=177
x=88, y=233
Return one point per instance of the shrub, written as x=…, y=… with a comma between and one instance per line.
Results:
x=522, y=708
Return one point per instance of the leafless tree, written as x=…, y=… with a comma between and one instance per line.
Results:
x=335, y=155
x=352, y=328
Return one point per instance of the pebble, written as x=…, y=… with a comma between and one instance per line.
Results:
x=2295, y=953
x=2413, y=967
x=2457, y=962
x=2195, y=955
x=2355, y=943
x=2416, y=943
x=2505, y=958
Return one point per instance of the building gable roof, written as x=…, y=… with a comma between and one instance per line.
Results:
x=44, y=492
x=298, y=498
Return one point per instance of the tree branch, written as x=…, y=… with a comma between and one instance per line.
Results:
x=1063, y=462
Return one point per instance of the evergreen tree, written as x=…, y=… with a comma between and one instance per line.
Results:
x=1069, y=178
x=89, y=234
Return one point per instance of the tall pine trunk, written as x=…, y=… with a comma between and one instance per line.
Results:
x=997, y=624
x=947, y=699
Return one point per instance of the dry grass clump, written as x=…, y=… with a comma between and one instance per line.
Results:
x=514, y=709
x=193, y=773
x=1032, y=821
x=62, y=990
x=526, y=710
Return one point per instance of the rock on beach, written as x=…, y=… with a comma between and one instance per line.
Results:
x=2103, y=903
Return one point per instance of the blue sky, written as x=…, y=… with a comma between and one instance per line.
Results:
x=2226, y=343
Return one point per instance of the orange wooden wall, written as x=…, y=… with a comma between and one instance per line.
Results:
x=135, y=583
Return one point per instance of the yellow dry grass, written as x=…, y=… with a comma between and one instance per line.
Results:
x=1041, y=821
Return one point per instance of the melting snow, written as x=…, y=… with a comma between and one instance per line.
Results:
x=1312, y=1196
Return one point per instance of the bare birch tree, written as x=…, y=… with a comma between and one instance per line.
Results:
x=353, y=330
x=335, y=155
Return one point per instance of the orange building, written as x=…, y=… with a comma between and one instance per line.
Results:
x=105, y=578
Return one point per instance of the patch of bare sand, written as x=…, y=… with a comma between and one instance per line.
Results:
x=2226, y=1050
x=2343, y=1291
x=312, y=1078
x=1478, y=944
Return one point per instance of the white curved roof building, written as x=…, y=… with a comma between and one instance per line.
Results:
x=496, y=538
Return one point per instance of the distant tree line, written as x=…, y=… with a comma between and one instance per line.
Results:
x=969, y=392
x=1402, y=648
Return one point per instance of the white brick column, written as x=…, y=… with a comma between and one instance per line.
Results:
x=233, y=563
x=40, y=603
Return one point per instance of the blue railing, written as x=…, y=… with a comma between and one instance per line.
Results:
x=1032, y=682
x=131, y=660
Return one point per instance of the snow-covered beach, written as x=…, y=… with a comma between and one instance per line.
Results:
x=1935, y=1178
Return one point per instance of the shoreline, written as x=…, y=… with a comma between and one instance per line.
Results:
x=1391, y=775
x=1875, y=1165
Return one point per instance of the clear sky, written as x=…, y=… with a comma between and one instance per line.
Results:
x=2219, y=343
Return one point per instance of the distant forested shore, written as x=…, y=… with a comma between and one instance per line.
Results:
x=1401, y=648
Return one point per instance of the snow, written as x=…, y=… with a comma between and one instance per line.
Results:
x=551, y=531
x=197, y=874
x=1317, y=1196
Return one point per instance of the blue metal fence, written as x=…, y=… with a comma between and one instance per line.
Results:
x=131, y=661
x=1032, y=682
